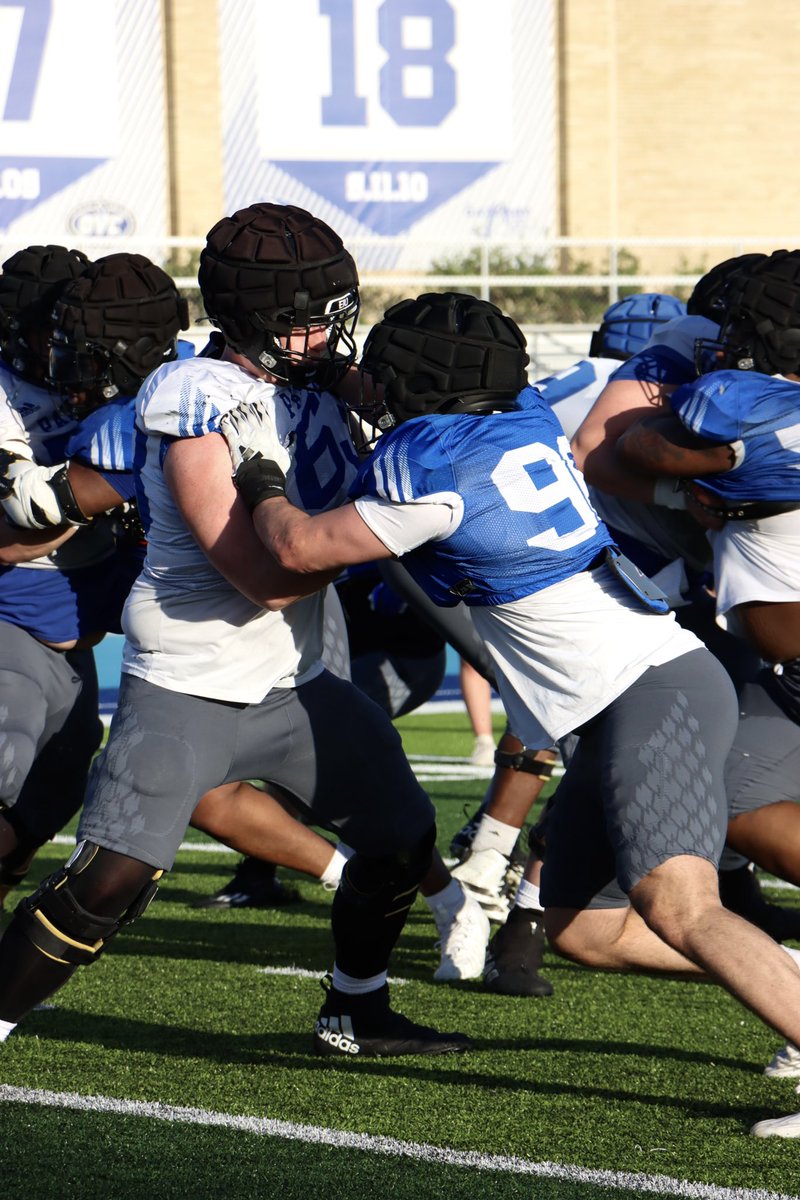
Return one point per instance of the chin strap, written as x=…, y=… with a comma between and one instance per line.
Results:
x=35, y=497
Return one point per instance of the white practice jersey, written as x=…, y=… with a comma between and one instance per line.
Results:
x=756, y=561
x=187, y=628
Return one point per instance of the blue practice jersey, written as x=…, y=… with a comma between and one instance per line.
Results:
x=527, y=522
x=59, y=606
x=104, y=441
x=669, y=357
x=762, y=412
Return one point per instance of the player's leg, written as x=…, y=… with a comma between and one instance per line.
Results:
x=520, y=774
x=163, y=749
x=340, y=755
x=263, y=826
x=762, y=781
x=663, y=746
x=56, y=783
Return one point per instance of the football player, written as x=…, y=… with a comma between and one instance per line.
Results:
x=222, y=674
x=472, y=482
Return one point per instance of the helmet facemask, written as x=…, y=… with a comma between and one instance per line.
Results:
x=291, y=348
x=283, y=289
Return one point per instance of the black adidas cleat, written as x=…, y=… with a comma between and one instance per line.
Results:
x=255, y=885
x=366, y=1027
x=515, y=954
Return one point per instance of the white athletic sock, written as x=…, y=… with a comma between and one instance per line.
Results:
x=528, y=896
x=445, y=904
x=357, y=987
x=6, y=1027
x=495, y=835
x=333, y=872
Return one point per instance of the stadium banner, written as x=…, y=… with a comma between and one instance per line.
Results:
x=420, y=120
x=82, y=120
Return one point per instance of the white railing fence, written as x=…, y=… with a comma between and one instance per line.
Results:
x=393, y=267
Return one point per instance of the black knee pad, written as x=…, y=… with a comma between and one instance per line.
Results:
x=57, y=923
x=525, y=760
x=365, y=877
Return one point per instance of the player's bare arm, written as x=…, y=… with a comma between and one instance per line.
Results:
x=661, y=445
x=198, y=473
x=621, y=403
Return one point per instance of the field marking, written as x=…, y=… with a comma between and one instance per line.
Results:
x=304, y=973
x=660, y=1185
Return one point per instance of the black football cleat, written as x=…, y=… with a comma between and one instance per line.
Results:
x=515, y=954
x=255, y=885
x=366, y=1027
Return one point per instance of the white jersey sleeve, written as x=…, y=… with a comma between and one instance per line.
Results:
x=189, y=398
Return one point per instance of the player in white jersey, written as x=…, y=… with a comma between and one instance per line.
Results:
x=733, y=438
x=222, y=675
x=43, y=474
x=480, y=495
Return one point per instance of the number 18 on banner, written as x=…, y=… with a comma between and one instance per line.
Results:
x=388, y=108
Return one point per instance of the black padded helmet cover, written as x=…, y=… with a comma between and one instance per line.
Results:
x=30, y=281
x=271, y=268
x=761, y=330
x=445, y=352
x=127, y=311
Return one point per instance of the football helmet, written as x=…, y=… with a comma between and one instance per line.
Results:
x=628, y=324
x=270, y=276
x=444, y=352
x=29, y=284
x=760, y=321
x=708, y=296
x=112, y=326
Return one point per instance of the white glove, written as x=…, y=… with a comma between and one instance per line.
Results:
x=250, y=430
x=37, y=497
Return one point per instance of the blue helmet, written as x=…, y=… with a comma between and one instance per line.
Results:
x=628, y=324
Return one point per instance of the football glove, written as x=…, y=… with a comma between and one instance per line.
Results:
x=250, y=430
x=35, y=497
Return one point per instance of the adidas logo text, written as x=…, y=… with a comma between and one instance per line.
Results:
x=337, y=1041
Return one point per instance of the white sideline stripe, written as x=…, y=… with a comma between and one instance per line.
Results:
x=661, y=1185
x=302, y=973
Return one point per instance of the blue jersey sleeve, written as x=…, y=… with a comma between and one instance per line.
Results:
x=710, y=406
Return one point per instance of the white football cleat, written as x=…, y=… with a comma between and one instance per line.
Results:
x=785, y=1127
x=463, y=941
x=785, y=1064
x=483, y=875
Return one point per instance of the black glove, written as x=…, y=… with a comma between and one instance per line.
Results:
x=258, y=479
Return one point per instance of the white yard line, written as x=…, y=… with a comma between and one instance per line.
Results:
x=659, y=1185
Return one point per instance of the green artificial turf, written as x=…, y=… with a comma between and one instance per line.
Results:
x=613, y=1073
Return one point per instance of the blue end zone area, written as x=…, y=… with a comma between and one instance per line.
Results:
x=108, y=656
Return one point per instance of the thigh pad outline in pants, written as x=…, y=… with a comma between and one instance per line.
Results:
x=165, y=750
x=664, y=746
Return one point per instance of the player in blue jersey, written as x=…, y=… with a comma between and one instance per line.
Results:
x=48, y=686
x=488, y=842
x=479, y=494
x=222, y=672
x=68, y=603
x=664, y=539
x=732, y=437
